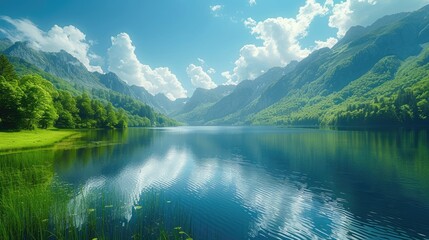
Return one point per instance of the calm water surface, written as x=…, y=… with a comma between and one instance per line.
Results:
x=259, y=183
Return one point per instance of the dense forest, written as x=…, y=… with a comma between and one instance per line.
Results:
x=30, y=101
x=390, y=94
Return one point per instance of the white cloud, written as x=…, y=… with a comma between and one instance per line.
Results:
x=329, y=3
x=252, y=2
x=211, y=71
x=199, y=77
x=250, y=22
x=349, y=13
x=123, y=61
x=281, y=44
x=68, y=38
x=216, y=8
x=330, y=42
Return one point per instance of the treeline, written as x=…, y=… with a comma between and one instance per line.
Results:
x=134, y=107
x=407, y=108
x=30, y=102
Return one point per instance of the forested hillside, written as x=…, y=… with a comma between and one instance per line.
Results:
x=375, y=75
x=30, y=101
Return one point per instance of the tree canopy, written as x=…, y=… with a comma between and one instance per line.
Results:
x=30, y=102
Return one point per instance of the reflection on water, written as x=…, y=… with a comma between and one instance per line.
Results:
x=240, y=182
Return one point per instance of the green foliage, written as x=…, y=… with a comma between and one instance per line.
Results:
x=138, y=113
x=37, y=104
x=392, y=93
x=6, y=69
x=10, y=100
x=33, y=102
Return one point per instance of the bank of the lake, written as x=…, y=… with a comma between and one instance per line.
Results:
x=219, y=183
x=32, y=139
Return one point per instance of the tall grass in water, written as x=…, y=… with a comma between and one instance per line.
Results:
x=33, y=205
x=26, y=196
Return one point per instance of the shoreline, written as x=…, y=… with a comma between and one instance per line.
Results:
x=23, y=140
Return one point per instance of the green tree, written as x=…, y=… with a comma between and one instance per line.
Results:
x=423, y=106
x=100, y=114
x=86, y=113
x=67, y=110
x=37, y=104
x=112, y=119
x=6, y=69
x=10, y=100
x=122, y=119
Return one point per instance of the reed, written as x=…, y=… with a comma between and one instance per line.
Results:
x=35, y=205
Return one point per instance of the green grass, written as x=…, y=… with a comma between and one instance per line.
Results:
x=34, y=204
x=32, y=139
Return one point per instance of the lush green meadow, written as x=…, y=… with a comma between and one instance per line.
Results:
x=32, y=139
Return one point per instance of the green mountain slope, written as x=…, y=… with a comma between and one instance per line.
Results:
x=108, y=92
x=65, y=66
x=60, y=64
x=196, y=107
x=374, y=75
x=378, y=62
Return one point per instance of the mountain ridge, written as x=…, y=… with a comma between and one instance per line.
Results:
x=63, y=65
x=325, y=88
x=366, y=57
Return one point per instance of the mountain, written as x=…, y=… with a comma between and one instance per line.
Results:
x=68, y=75
x=167, y=106
x=5, y=44
x=375, y=72
x=196, y=107
x=65, y=66
x=113, y=82
x=232, y=108
x=375, y=75
x=227, y=104
x=206, y=96
x=60, y=64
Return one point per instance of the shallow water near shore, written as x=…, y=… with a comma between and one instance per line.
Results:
x=247, y=182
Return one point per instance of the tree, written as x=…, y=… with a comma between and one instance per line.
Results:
x=37, y=105
x=112, y=119
x=122, y=119
x=67, y=110
x=86, y=113
x=6, y=69
x=100, y=114
x=10, y=100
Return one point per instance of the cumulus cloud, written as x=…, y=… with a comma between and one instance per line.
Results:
x=252, y=2
x=330, y=42
x=123, y=61
x=68, y=38
x=349, y=13
x=280, y=37
x=199, y=77
x=329, y=3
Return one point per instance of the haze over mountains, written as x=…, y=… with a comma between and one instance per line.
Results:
x=373, y=74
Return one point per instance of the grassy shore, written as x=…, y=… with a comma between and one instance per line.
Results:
x=32, y=139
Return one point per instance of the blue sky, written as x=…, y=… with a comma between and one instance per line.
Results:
x=174, y=46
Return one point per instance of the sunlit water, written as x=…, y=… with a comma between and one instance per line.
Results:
x=260, y=183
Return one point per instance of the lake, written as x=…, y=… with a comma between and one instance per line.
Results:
x=246, y=182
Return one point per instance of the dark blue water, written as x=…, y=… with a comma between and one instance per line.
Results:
x=257, y=182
